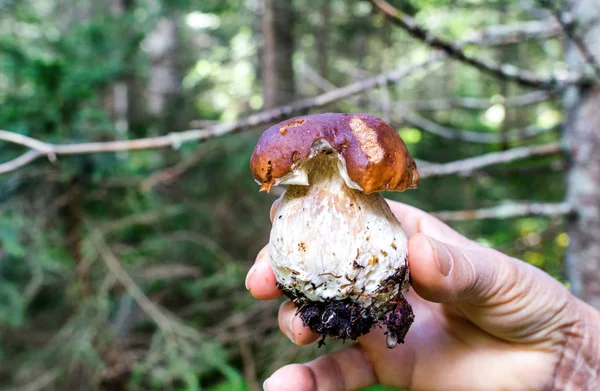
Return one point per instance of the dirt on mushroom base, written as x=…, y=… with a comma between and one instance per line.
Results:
x=347, y=319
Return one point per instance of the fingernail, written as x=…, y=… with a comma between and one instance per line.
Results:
x=289, y=325
x=265, y=384
x=443, y=258
x=252, y=270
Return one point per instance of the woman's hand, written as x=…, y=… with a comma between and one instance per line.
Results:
x=483, y=321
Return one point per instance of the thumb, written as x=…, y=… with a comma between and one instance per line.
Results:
x=444, y=273
x=502, y=295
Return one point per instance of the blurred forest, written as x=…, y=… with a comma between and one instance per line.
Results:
x=122, y=262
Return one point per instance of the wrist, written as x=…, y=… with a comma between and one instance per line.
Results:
x=579, y=364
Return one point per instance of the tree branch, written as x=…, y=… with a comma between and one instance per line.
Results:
x=39, y=148
x=504, y=71
x=568, y=25
x=467, y=166
x=117, y=270
x=507, y=34
x=169, y=174
x=315, y=78
x=43, y=382
x=452, y=133
x=507, y=210
x=19, y=162
x=168, y=325
x=478, y=103
x=473, y=137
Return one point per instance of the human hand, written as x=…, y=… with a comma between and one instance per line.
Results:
x=483, y=321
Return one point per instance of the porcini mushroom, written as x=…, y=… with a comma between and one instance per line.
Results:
x=335, y=247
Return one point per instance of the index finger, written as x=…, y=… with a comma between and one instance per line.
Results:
x=261, y=281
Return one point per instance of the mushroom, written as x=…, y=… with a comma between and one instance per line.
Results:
x=336, y=249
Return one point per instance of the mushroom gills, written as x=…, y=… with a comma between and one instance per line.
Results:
x=300, y=169
x=340, y=254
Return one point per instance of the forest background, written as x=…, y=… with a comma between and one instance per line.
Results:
x=129, y=217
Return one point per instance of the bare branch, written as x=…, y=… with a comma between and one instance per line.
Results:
x=39, y=148
x=470, y=136
x=26, y=141
x=504, y=71
x=507, y=34
x=143, y=218
x=169, y=174
x=315, y=78
x=507, y=210
x=568, y=25
x=168, y=326
x=248, y=359
x=168, y=271
x=478, y=103
x=467, y=166
x=132, y=288
x=218, y=251
x=223, y=331
x=21, y=161
x=43, y=382
x=385, y=102
x=452, y=133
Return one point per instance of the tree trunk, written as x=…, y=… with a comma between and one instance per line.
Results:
x=278, y=71
x=164, y=84
x=121, y=89
x=323, y=39
x=582, y=138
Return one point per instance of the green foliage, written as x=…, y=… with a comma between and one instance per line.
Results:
x=11, y=307
x=380, y=388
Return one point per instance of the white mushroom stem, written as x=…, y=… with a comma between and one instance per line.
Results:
x=330, y=241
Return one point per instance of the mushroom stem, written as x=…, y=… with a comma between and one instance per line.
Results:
x=338, y=251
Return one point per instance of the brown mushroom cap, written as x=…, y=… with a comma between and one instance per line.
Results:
x=375, y=156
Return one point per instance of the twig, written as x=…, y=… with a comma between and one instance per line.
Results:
x=218, y=251
x=474, y=137
x=315, y=78
x=142, y=218
x=507, y=210
x=20, y=161
x=567, y=23
x=132, y=288
x=504, y=71
x=467, y=166
x=386, y=102
x=169, y=174
x=248, y=358
x=39, y=148
x=452, y=133
x=168, y=272
x=223, y=332
x=477, y=103
x=36, y=281
x=43, y=382
x=514, y=33
x=167, y=326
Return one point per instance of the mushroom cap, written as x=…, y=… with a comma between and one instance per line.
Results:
x=372, y=153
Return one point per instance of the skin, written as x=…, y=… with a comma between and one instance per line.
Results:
x=483, y=321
